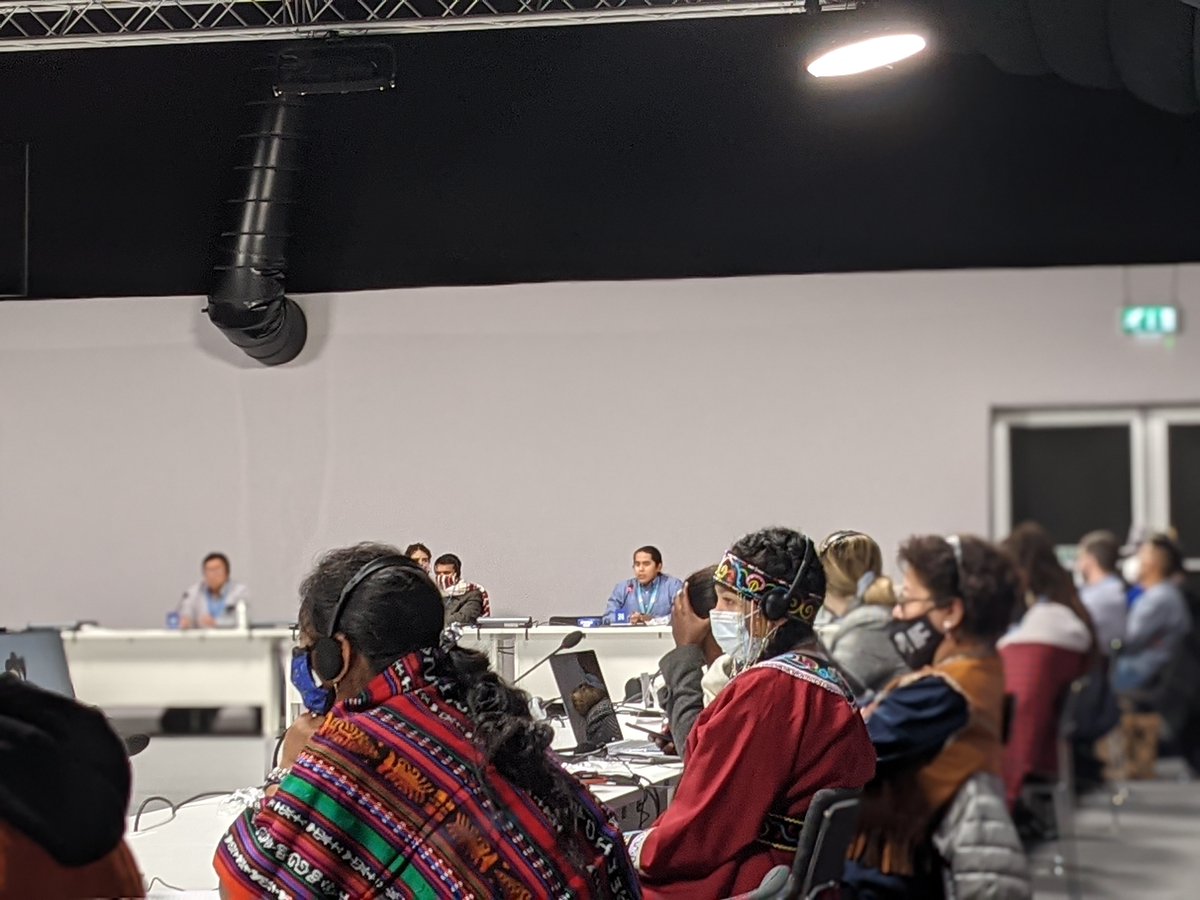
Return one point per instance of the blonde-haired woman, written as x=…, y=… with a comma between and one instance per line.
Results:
x=853, y=623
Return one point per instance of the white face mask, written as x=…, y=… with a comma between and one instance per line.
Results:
x=727, y=630
x=732, y=634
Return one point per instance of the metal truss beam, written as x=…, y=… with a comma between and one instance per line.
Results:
x=77, y=24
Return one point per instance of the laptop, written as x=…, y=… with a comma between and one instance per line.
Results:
x=577, y=621
x=581, y=686
x=37, y=656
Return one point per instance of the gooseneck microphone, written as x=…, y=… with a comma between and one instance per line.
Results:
x=568, y=641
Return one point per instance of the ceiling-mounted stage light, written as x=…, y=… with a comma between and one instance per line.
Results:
x=862, y=37
x=866, y=54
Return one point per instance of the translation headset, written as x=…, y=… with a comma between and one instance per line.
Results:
x=325, y=655
x=778, y=600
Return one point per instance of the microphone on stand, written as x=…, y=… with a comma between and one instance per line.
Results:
x=569, y=641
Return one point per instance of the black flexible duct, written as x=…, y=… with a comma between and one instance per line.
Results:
x=247, y=300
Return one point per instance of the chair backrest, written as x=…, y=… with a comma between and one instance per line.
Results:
x=829, y=827
x=1068, y=723
x=1008, y=710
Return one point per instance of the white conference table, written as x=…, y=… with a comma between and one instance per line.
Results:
x=624, y=652
x=159, y=668
x=177, y=848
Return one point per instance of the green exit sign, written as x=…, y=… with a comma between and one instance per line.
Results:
x=1150, y=321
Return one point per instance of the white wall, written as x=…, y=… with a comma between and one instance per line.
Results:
x=542, y=432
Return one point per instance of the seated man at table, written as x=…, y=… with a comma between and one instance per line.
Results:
x=465, y=601
x=645, y=598
x=213, y=601
x=63, y=799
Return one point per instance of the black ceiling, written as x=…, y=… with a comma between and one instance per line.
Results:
x=631, y=151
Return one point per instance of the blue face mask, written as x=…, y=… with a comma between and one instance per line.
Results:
x=317, y=699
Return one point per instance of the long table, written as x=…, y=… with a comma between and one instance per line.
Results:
x=158, y=668
x=624, y=652
x=200, y=668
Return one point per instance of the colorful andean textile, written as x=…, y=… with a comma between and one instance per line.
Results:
x=388, y=801
x=754, y=584
x=776, y=734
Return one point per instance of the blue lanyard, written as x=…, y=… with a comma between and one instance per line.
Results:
x=646, y=607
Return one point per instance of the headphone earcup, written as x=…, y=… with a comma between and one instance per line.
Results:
x=774, y=605
x=326, y=658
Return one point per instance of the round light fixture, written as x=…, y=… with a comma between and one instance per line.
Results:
x=864, y=55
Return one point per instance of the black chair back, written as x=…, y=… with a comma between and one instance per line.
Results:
x=829, y=826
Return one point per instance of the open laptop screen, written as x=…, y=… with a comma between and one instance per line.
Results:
x=37, y=656
x=586, y=698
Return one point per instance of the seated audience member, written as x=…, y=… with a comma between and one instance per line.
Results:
x=1159, y=624
x=591, y=701
x=938, y=731
x=700, y=665
x=419, y=554
x=1050, y=647
x=647, y=596
x=466, y=601
x=64, y=795
x=853, y=622
x=213, y=601
x=1102, y=590
x=427, y=777
x=783, y=728
x=1159, y=618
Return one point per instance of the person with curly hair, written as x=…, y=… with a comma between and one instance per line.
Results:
x=423, y=775
x=936, y=804
x=785, y=727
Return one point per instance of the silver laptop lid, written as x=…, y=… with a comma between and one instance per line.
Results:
x=37, y=656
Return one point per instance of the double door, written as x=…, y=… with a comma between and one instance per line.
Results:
x=1128, y=470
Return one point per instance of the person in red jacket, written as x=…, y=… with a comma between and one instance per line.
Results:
x=784, y=728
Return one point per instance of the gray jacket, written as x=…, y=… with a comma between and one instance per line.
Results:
x=979, y=846
x=682, y=697
x=860, y=645
x=465, y=608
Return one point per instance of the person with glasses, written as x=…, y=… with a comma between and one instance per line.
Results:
x=421, y=774
x=939, y=731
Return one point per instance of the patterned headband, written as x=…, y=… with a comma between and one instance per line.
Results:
x=755, y=585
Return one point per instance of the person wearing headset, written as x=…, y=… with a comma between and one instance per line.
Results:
x=785, y=727
x=853, y=621
x=418, y=772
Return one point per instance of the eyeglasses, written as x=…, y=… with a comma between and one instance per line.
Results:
x=902, y=602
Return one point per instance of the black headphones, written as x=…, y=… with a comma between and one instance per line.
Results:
x=326, y=653
x=777, y=601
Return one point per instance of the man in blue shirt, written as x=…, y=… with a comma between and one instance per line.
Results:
x=1159, y=619
x=648, y=596
x=1102, y=590
x=215, y=601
